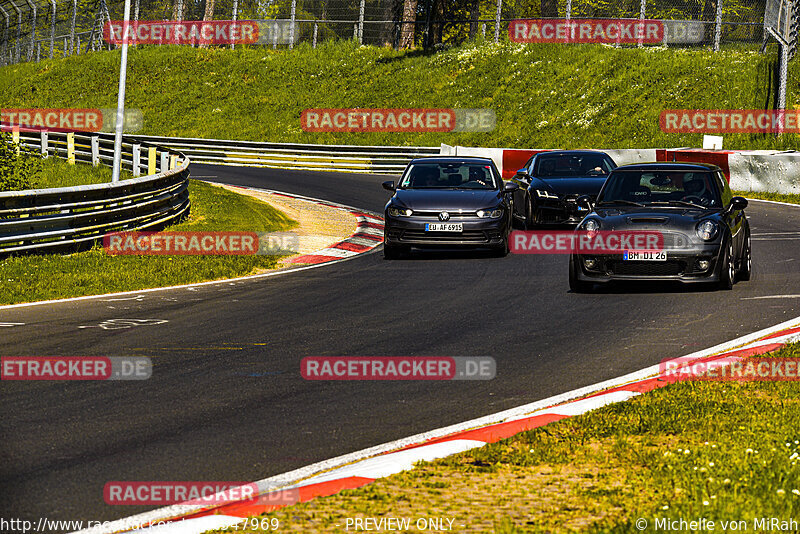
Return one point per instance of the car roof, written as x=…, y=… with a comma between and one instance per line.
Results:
x=570, y=153
x=668, y=166
x=451, y=159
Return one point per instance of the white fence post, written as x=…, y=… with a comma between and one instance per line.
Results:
x=361, y=23
x=44, y=144
x=718, y=26
x=137, y=160
x=497, y=21
x=164, y=161
x=291, y=28
x=95, y=150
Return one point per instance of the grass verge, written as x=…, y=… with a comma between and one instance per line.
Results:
x=777, y=197
x=544, y=95
x=34, y=278
x=720, y=451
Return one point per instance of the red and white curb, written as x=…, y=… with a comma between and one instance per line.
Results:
x=368, y=234
x=363, y=467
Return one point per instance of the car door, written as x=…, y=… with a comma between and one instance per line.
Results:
x=522, y=179
x=735, y=219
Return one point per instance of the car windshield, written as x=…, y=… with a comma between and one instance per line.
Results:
x=450, y=175
x=572, y=165
x=672, y=188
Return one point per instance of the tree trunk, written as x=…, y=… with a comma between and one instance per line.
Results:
x=549, y=8
x=391, y=11
x=208, y=15
x=474, y=15
x=409, y=26
x=179, y=9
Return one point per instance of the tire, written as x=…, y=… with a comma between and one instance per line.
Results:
x=727, y=269
x=746, y=263
x=528, y=214
x=390, y=252
x=577, y=286
x=503, y=250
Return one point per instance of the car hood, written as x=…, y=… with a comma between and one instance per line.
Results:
x=653, y=218
x=446, y=199
x=589, y=185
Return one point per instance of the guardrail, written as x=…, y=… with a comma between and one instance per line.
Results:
x=343, y=158
x=66, y=219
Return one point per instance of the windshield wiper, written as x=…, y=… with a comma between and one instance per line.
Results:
x=680, y=203
x=620, y=201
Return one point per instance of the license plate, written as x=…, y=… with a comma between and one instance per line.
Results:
x=644, y=255
x=444, y=227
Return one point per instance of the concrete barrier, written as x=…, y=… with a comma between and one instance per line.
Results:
x=753, y=170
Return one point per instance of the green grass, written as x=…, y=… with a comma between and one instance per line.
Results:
x=34, y=278
x=59, y=173
x=723, y=451
x=777, y=197
x=544, y=95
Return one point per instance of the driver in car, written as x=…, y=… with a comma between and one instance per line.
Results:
x=696, y=188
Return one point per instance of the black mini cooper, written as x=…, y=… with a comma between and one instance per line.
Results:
x=706, y=235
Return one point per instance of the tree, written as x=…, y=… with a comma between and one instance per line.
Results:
x=409, y=23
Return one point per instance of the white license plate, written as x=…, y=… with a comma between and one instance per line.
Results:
x=444, y=227
x=644, y=255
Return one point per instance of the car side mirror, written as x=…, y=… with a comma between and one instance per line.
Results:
x=523, y=173
x=389, y=185
x=510, y=187
x=738, y=203
x=584, y=201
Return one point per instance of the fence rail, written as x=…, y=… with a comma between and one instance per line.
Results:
x=343, y=158
x=71, y=218
x=32, y=29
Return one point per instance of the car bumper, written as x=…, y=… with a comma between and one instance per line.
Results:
x=476, y=233
x=560, y=211
x=681, y=266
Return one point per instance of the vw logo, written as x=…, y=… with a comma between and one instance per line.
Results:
x=444, y=216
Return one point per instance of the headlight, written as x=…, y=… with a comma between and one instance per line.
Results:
x=495, y=213
x=545, y=194
x=707, y=230
x=399, y=212
x=591, y=225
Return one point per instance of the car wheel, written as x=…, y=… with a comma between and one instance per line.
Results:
x=578, y=286
x=528, y=214
x=390, y=252
x=727, y=271
x=746, y=263
x=502, y=250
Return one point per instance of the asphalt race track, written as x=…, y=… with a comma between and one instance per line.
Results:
x=226, y=401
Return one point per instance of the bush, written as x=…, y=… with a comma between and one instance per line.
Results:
x=20, y=167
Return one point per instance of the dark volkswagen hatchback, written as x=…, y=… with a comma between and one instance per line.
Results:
x=550, y=182
x=706, y=234
x=448, y=202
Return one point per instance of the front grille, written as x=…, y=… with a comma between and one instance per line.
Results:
x=454, y=215
x=647, y=268
x=470, y=236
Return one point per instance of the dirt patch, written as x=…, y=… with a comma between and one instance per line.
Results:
x=319, y=226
